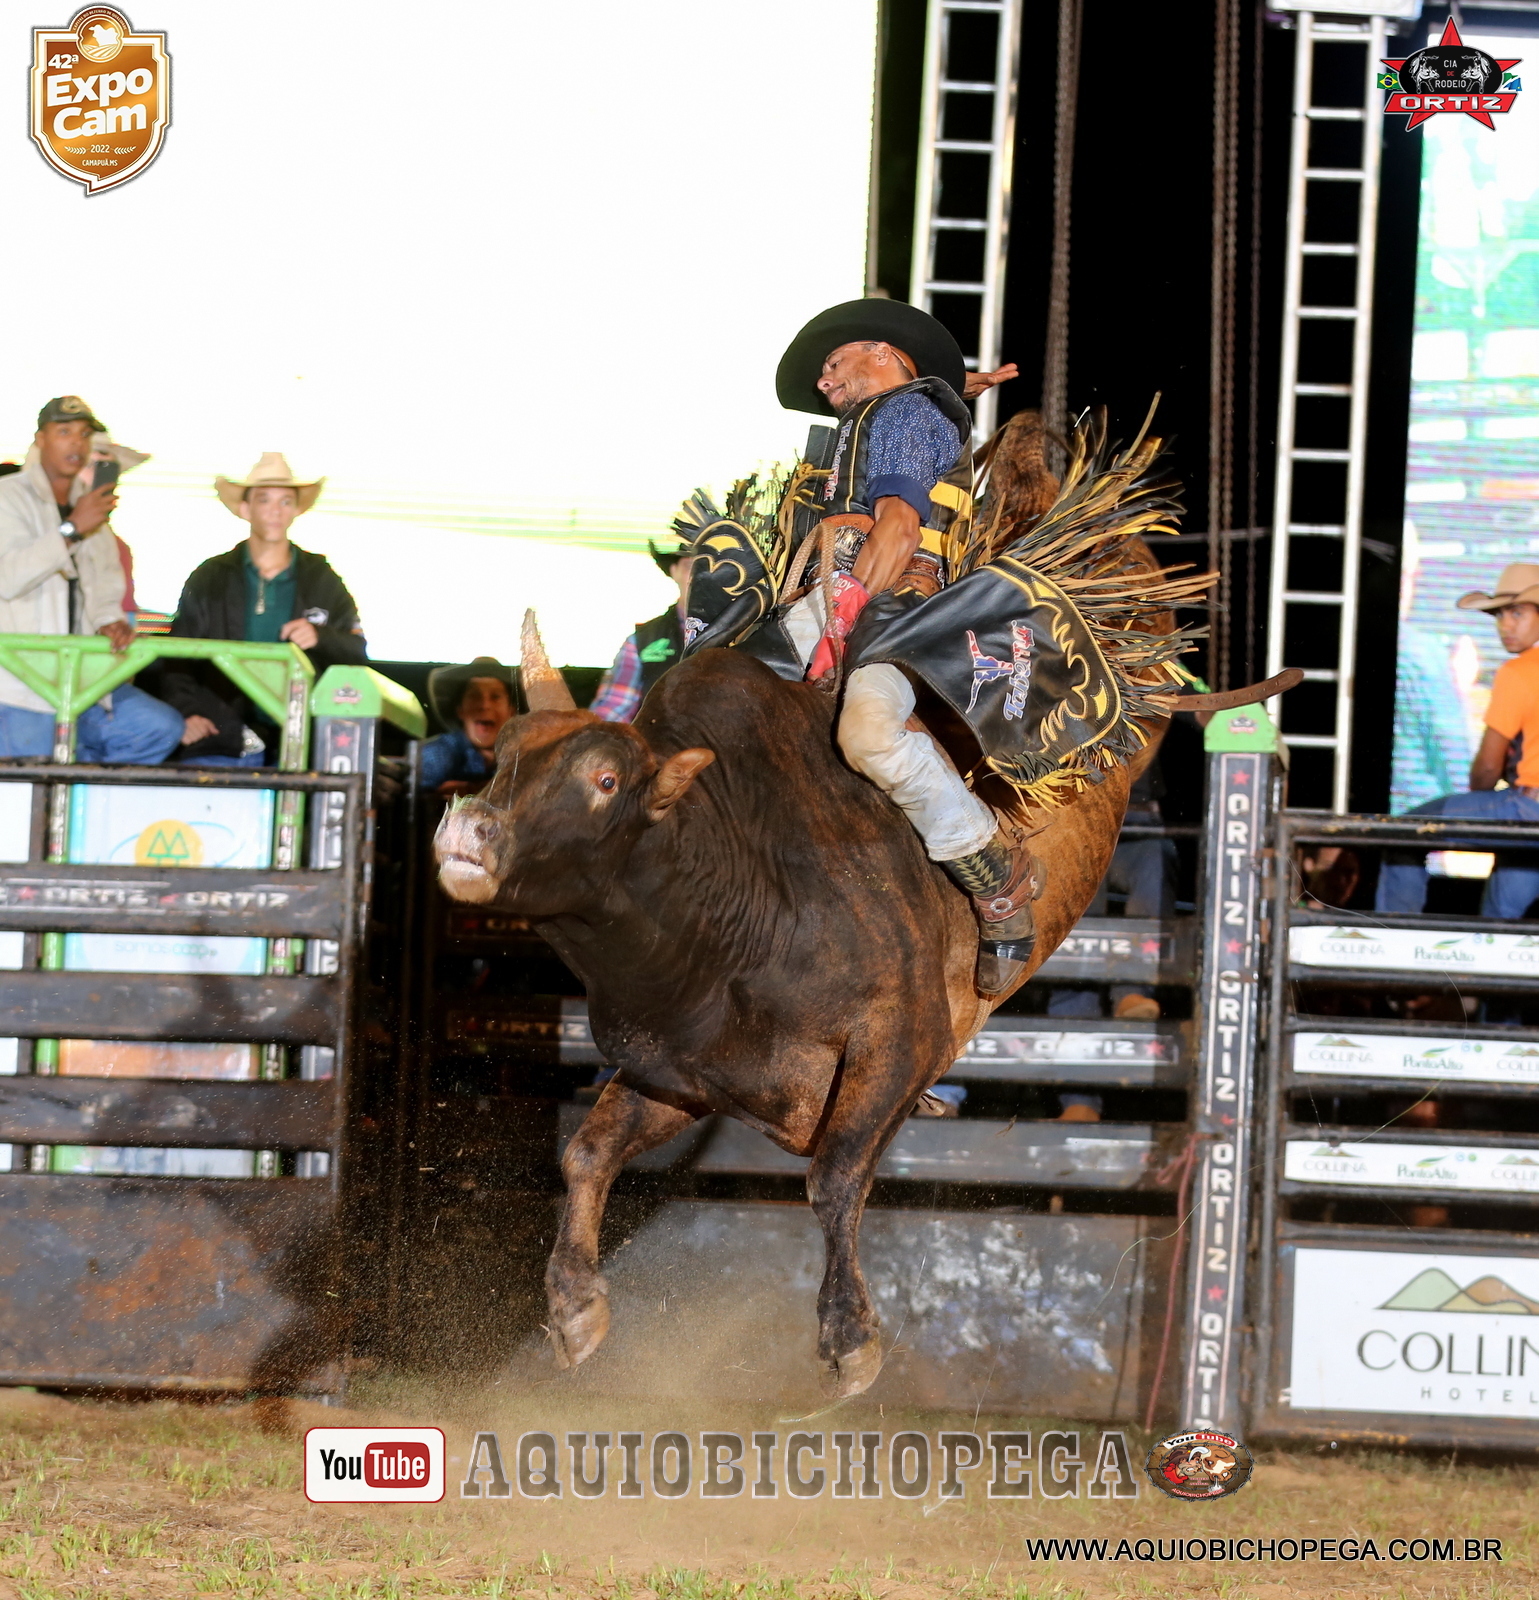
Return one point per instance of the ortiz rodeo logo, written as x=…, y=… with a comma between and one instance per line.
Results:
x=101, y=97
x=1450, y=76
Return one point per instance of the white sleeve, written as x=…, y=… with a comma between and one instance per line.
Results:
x=27, y=557
x=103, y=583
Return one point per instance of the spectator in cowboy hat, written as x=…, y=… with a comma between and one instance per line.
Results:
x=57, y=576
x=473, y=702
x=265, y=591
x=1509, y=752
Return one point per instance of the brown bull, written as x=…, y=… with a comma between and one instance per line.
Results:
x=760, y=934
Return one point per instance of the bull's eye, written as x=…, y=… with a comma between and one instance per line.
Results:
x=606, y=781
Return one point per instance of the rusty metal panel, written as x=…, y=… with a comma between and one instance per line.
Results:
x=156, y=1005
x=59, y=1110
x=984, y=1311
x=1106, y=1155
x=168, y=1283
x=222, y=901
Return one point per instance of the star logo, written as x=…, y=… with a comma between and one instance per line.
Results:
x=1450, y=76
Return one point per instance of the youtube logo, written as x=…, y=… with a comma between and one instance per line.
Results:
x=374, y=1464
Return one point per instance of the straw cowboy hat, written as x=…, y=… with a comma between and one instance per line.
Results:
x=271, y=472
x=125, y=455
x=1518, y=583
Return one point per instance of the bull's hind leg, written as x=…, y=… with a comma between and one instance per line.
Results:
x=622, y=1125
x=878, y=1087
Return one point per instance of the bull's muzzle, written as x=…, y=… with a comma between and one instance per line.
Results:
x=466, y=847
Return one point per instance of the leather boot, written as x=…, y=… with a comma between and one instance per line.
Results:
x=1002, y=879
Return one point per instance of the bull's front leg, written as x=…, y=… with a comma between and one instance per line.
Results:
x=881, y=1081
x=622, y=1125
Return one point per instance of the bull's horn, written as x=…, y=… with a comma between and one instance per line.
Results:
x=544, y=688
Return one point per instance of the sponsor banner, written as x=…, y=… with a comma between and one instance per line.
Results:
x=1416, y=1334
x=162, y=828
x=1490, y=955
x=1383, y=1055
x=163, y=952
x=139, y=1162
x=170, y=827
x=1071, y=1049
x=1492, y=1169
x=374, y=1464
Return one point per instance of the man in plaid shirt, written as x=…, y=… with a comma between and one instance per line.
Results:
x=648, y=653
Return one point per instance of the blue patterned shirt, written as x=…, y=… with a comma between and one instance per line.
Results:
x=913, y=445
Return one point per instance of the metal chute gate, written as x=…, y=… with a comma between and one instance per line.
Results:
x=321, y=1134
x=192, y=996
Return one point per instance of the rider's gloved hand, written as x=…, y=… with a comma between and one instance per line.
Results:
x=850, y=597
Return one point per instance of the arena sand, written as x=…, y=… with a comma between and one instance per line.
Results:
x=171, y=1500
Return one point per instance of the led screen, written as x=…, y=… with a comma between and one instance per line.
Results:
x=1472, y=483
x=513, y=277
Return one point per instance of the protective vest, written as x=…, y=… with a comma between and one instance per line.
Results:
x=844, y=490
x=659, y=644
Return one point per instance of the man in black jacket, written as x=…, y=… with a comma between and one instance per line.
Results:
x=265, y=590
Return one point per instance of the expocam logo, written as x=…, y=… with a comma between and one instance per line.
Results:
x=374, y=1464
x=101, y=97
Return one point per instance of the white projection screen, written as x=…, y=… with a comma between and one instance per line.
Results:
x=513, y=277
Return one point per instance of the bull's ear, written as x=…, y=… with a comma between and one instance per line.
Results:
x=673, y=778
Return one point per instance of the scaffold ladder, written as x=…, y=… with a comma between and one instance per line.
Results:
x=1303, y=596
x=962, y=205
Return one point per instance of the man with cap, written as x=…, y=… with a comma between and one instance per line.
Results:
x=472, y=702
x=899, y=474
x=265, y=591
x=1508, y=750
x=58, y=575
x=649, y=652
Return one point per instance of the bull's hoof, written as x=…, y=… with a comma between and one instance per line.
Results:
x=575, y=1335
x=856, y=1370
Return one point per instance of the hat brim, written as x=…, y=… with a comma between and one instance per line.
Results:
x=233, y=493
x=665, y=559
x=1477, y=601
x=446, y=685
x=916, y=333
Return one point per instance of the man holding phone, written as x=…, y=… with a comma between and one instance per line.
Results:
x=57, y=577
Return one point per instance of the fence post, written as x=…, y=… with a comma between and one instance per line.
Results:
x=1244, y=783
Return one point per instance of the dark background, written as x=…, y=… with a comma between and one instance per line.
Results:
x=1140, y=315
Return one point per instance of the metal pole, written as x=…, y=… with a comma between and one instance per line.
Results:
x=1241, y=765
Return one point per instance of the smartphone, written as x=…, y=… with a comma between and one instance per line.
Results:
x=106, y=473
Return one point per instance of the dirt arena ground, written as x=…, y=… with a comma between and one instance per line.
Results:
x=169, y=1500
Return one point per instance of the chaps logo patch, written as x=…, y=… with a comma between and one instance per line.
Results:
x=374, y=1464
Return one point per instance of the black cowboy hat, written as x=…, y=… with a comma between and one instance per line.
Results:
x=446, y=685
x=916, y=333
x=666, y=558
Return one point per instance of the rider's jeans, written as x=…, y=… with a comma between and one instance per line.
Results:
x=908, y=766
x=1511, y=888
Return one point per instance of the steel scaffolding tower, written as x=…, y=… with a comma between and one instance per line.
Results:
x=1322, y=413
x=966, y=143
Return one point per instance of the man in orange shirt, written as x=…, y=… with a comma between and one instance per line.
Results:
x=1509, y=750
